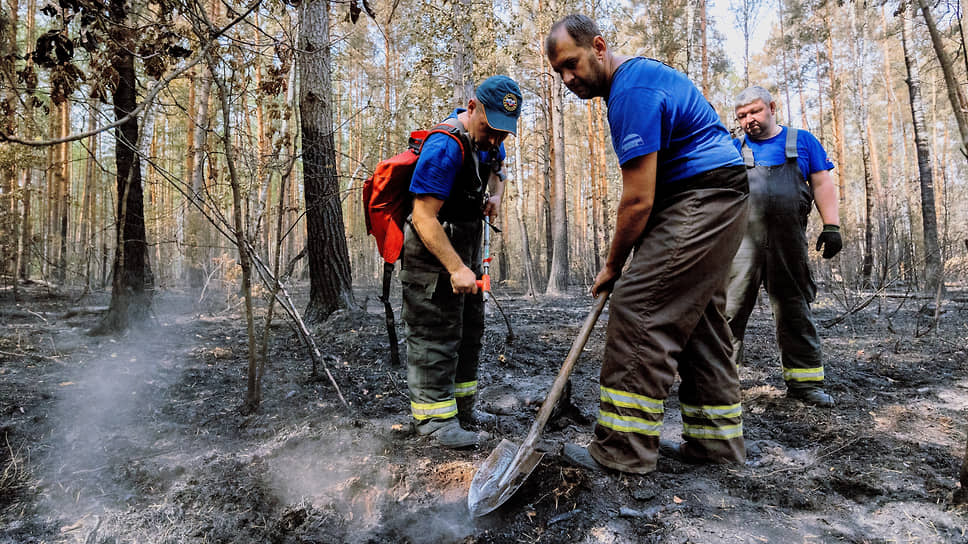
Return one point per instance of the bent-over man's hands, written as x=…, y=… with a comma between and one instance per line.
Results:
x=830, y=241
x=605, y=280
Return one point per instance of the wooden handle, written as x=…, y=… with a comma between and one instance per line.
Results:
x=559, y=384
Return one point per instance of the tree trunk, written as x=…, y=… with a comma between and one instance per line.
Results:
x=803, y=96
x=86, y=222
x=49, y=198
x=464, y=53
x=253, y=395
x=518, y=208
x=64, y=206
x=596, y=187
x=558, y=278
x=703, y=20
x=260, y=192
x=195, y=223
x=932, y=254
x=783, y=63
x=289, y=133
x=959, y=105
x=887, y=202
x=858, y=38
x=25, y=243
x=330, y=280
x=820, y=94
x=130, y=288
x=837, y=121
x=25, y=247
x=605, y=242
x=9, y=207
x=543, y=200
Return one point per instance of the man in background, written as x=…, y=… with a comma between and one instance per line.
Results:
x=788, y=170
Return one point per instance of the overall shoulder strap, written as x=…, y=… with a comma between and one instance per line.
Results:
x=791, y=143
x=746, y=152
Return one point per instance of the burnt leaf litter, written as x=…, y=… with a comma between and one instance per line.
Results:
x=140, y=438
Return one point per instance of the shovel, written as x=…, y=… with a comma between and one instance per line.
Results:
x=508, y=466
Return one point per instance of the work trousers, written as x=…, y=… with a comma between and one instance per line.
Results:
x=666, y=315
x=773, y=254
x=444, y=330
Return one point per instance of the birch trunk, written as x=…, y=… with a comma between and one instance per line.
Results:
x=932, y=255
x=558, y=278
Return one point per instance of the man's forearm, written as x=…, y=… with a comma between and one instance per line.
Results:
x=825, y=197
x=432, y=235
x=634, y=208
x=630, y=222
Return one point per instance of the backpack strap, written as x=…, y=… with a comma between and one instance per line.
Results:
x=791, y=143
x=455, y=129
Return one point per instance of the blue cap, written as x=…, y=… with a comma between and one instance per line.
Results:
x=501, y=99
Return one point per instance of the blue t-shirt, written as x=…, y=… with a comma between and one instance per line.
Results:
x=811, y=156
x=652, y=107
x=440, y=162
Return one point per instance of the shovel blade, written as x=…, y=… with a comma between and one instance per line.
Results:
x=499, y=477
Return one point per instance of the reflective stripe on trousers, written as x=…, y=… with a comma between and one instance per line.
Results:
x=444, y=331
x=642, y=415
x=442, y=410
x=465, y=389
x=666, y=315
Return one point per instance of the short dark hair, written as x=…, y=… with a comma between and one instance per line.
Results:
x=582, y=29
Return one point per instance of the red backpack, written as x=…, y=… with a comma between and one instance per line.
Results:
x=387, y=203
x=386, y=194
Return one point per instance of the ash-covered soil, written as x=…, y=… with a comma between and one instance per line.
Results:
x=140, y=438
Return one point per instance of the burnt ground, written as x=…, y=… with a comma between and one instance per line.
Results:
x=140, y=439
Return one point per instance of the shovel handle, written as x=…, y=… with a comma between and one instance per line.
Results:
x=559, y=384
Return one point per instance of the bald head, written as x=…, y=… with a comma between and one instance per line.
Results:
x=580, y=28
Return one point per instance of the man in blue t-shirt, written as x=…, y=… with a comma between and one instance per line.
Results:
x=788, y=170
x=456, y=182
x=681, y=216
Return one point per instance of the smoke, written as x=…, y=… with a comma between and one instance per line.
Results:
x=438, y=524
x=341, y=472
x=351, y=473
x=98, y=425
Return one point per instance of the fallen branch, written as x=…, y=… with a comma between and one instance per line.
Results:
x=92, y=536
x=828, y=453
x=858, y=307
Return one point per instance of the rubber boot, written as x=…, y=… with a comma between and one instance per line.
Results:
x=470, y=416
x=812, y=395
x=578, y=456
x=452, y=435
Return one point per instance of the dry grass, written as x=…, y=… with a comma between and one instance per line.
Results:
x=15, y=473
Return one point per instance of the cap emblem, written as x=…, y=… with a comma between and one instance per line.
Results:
x=510, y=102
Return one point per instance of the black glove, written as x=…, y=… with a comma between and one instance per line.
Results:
x=830, y=241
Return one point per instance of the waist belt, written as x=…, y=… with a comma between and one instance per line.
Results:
x=724, y=177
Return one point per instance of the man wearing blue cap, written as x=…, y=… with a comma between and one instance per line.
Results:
x=442, y=307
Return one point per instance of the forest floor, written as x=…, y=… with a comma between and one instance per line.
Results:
x=139, y=438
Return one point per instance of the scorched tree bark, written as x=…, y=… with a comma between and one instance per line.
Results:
x=330, y=280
